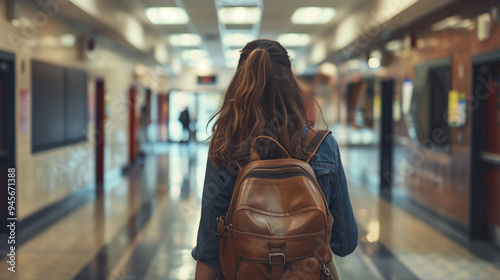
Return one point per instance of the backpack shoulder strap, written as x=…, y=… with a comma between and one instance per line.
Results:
x=313, y=140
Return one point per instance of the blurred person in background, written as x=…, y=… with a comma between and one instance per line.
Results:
x=185, y=120
x=143, y=130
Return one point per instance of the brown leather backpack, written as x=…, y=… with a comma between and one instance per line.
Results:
x=278, y=225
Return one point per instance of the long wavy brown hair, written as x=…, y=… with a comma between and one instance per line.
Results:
x=263, y=98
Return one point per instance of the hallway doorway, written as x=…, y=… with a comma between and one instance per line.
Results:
x=7, y=143
x=485, y=179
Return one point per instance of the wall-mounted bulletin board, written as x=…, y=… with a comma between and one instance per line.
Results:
x=59, y=106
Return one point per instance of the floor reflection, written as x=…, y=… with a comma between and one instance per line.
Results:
x=146, y=224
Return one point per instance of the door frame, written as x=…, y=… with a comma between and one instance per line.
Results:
x=132, y=124
x=100, y=132
x=386, y=134
x=478, y=227
x=8, y=136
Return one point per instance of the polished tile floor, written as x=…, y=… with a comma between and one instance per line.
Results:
x=145, y=227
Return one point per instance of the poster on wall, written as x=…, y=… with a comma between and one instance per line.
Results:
x=457, y=108
x=23, y=118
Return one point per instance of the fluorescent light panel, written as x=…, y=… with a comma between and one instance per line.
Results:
x=313, y=15
x=233, y=3
x=294, y=39
x=185, y=40
x=237, y=39
x=239, y=15
x=167, y=15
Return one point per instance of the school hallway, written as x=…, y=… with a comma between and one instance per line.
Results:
x=145, y=226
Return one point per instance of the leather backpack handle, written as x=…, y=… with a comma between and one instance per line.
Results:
x=255, y=156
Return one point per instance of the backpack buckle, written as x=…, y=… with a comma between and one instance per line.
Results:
x=272, y=255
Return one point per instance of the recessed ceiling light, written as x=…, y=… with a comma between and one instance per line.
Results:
x=239, y=15
x=395, y=45
x=237, y=39
x=193, y=54
x=313, y=15
x=294, y=39
x=204, y=66
x=184, y=40
x=374, y=62
x=68, y=40
x=167, y=15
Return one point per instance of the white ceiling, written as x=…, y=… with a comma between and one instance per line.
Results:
x=275, y=20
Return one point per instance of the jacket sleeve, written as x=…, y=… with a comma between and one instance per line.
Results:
x=215, y=202
x=345, y=230
x=348, y=229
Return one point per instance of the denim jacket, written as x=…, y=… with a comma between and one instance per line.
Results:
x=327, y=166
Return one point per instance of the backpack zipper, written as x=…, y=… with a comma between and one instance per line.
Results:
x=323, y=267
x=265, y=175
